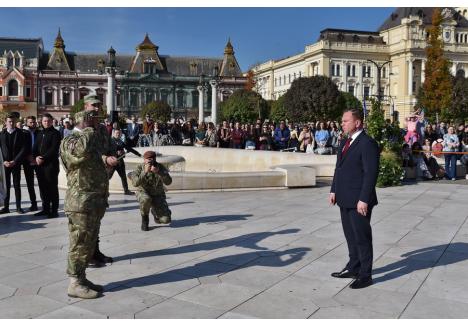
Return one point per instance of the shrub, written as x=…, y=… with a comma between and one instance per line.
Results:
x=390, y=171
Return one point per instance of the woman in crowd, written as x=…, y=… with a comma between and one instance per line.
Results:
x=224, y=135
x=422, y=170
x=200, y=134
x=188, y=134
x=334, y=137
x=249, y=137
x=265, y=140
x=211, y=138
x=434, y=168
x=321, y=137
x=450, y=144
x=237, y=136
x=306, y=140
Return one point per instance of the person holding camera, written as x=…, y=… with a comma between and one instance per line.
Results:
x=150, y=178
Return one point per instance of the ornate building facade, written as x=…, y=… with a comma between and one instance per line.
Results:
x=19, y=60
x=344, y=56
x=187, y=84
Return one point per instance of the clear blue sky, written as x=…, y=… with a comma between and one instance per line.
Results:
x=257, y=34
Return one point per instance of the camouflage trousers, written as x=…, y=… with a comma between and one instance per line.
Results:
x=157, y=204
x=83, y=234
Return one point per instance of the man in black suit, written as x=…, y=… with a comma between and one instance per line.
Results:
x=29, y=163
x=133, y=132
x=12, y=143
x=353, y=189
x=46, y=153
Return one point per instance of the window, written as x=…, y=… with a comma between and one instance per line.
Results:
x=180, y=99
x=195, y=99
x=348, y=70
x=414, y=87
x=66, y=97
x=10, y=62
x=118, y=99
x=338, y=70
x=351, y=89
x=284, y=79
x=294, y=76
x=17, y=62
x=149, y=68
x=48, y=97
x=366, y=71
x=1, y=91
x=164, y=96
x=149, y=97
x=354, y=71
x=299, y=74
x=28, y=91
x=279, y=81
x=384, y=72
x=276, y=82
x=366, y=91
x=133, y=99
x=13, y=88
x=289, y=78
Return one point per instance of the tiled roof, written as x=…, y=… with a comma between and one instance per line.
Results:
x=350, y=36
x=29, y=47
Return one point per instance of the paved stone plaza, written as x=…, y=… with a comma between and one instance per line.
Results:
x=248, y=254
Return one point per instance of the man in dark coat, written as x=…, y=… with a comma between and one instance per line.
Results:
x=12, y=143
x=46, y=153
x=353, y=189
x=29, y=164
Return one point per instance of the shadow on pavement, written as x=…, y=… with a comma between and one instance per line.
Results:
x=420, y=259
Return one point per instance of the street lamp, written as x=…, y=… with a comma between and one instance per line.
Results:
x=379, y=69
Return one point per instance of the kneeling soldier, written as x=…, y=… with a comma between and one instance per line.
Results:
x=150, y=178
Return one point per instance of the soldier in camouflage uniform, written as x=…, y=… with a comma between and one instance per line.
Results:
x=85, y=200
x=150, y=178
x=106, y=147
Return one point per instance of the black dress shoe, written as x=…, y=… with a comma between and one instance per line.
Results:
x=20, y=210
x=129, y=193
x=344, y=274
x=96, y=263
x=33, y=208
x=42, y=213
x=4, y=211
x=360, y=283
x=52, y=215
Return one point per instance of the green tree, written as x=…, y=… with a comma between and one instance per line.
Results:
x=244, y=106
x=436, y=93
x=278, y=110
x=459, y=107
x=314, y=98
x=350, y=101
x=158, y=111
x=389, y=138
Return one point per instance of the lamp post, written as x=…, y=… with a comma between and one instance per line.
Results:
x=111, y=71
x=379, y=70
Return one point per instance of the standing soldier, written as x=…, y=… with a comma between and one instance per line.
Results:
x=105, y=147
x=150, y=178
x=120, y=147
x=85, y=200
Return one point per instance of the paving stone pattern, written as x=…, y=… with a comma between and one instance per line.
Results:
x=248, y=254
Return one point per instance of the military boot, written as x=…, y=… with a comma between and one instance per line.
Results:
x=144, y=222
x=164, y=220
x=99, y=256
x=78, y=290
x=91, y=285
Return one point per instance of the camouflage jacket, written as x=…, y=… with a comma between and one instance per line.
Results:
x=105, y=144
x=87, y=181
x=151, y=183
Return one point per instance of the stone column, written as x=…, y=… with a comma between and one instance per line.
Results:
x=214, y=85
x=454, y=68
x=110, y=92
x=201, y=100
x=410, y=77
x=43, y=101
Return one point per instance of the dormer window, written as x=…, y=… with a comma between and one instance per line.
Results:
x=149, y=66
x=193, y=68
x=355, y=38
x=340, y=37
x=371, y=39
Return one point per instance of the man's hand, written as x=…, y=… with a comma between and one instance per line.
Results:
x=6, y=164
x=39, y=160
x=112, y=160
x=362, y=208
x=147, y=167
x=332, y=198
x=154, y=169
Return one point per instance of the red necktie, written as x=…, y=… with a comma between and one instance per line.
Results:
x=346, y=146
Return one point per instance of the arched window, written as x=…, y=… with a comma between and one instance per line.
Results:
x=66, y=96
x=13, y=88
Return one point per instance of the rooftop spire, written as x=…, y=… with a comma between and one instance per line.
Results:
x=59, y=41
x=229, y=49
x=147, y=44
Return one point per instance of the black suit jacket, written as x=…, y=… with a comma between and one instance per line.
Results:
x=28, y=142
x=356, y=173
x=19, y=148
x=47, y=145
